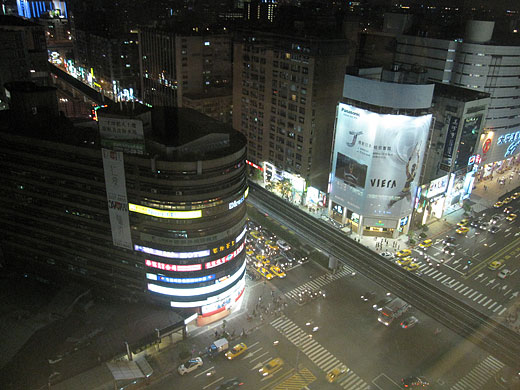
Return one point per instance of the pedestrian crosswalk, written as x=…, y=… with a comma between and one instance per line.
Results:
x=479, y=375
x=460, y=288
x=316, y=353
x=319, y=282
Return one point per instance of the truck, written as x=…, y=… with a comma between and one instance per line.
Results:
x=393, y=309
x=218, y=346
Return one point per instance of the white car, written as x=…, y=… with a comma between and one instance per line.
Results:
x=504, y=273
x=386, y=254
x=190, y=365
x=283, y=245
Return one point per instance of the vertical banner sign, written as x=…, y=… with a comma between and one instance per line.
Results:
x=114, y=168
x=453, y=127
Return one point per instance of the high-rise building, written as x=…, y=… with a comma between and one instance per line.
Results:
x=482, y=62
x=381, y=138
x=151, y=204
x=176, y=66
x=285, y=90
x=23, y=52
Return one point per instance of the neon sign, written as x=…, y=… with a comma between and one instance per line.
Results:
x=173, y=267
x=224, y=259
x=171, y=255
x=513, y=139
x=166, y=279
x=165, y=214
x=238, y=202
x=254, y=165
x=229, y=244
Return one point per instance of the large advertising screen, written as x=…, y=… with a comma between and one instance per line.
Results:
x=377, y=160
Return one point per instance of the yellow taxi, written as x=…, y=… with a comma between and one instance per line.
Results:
x=265, y=273
x=463, y=222
x=271, y=367
x=426, y=243
x=496, y=265
x=462, y=230
x=507, y=200
x=335, y=373
x=498, y=204
x=261, y=259
x=511, y=217
x=237, y=350
x=272, y=245
x=277, y=271
x=403, y=253
x=256, y=234
x=516, y=195
x=412, y=267
x=250, y=251
x=404, y=261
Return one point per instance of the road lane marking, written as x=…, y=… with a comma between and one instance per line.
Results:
x=203, y=372
x=212, y=383
x=492, y=245
x=259, y=356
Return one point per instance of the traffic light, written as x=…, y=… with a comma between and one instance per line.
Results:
x=469, y=262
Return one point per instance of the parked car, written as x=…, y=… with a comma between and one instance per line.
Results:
x=504, y=273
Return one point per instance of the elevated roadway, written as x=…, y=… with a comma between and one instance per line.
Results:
x=490, y=335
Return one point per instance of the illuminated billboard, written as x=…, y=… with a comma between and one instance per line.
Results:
x=377, y=160
x=165, y=213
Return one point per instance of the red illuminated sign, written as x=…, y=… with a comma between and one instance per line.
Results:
x=254, y=165
x=486, y=146
x=173, y=267
x=224, y=259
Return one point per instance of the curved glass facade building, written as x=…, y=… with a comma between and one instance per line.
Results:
x=148, y=204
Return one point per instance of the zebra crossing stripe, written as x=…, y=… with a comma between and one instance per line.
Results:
x=477, y=297
x=440, y=277
x=330, y=362
x=488, y=302
x=479, y=375
x=493, y=305
x=485, y=297
x=467, y=292
x=465, y=288
x=472, y=295
x=502, y=311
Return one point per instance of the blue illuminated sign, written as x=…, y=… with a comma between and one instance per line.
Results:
x=513, y=139
x=166, y=279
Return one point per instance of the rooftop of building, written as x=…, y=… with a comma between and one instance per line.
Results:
x=176, y=134
x=459, y=93
x=15, y=21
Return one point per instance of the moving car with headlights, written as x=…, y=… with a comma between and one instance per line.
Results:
x=256, y=235
x=283, y=245
x=462, y=230
x=404, y=261
x=426, y=243
x=335, y=373
x=366, y=296
x=463, y=222
x=507, y=200
x=498, y=204
x=403, y=253
x=237, y=350
x=508, y=210
x=412, y=267
x=496, y=265
x=516, y=195
x=378, y=306
x=511, y=217
x=394, y=309
x=277, y=271
x=271, y=367
x=265, y=273
x=190, y=365
x=449, y=240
